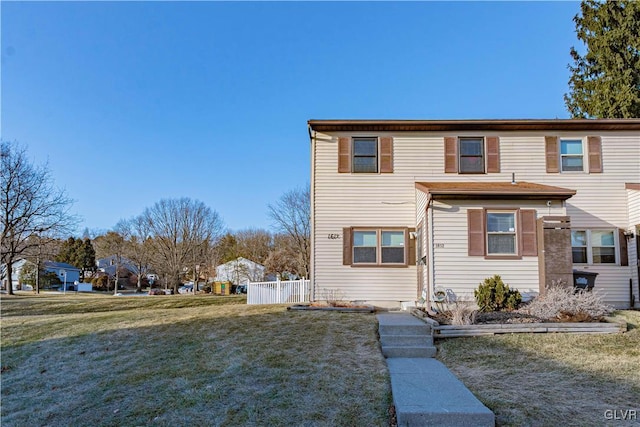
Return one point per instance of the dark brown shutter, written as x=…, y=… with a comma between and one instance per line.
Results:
x=552, y=154
x=450, y=154
x=347, y=250
x=493, y=154
x=624, y=254
x=528, y=232
x=594, y=144
x=344, y=154
x=386, y=154
x=475, y=224
x=412, y=247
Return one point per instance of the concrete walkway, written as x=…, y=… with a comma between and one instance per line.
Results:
x=425, y=392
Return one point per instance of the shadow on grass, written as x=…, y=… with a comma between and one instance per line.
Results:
x=235, y=365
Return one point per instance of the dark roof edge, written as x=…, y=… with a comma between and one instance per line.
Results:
x=475, y=125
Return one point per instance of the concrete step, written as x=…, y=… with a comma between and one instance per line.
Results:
x=409, y=351
x=426, y=393
x=406, y=340
x=401, y=324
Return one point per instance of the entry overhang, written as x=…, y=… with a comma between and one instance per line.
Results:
x=493, y=190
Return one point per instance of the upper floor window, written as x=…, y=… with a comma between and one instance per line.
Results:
x=571, y=155
x=365, y=155
x=471, y=155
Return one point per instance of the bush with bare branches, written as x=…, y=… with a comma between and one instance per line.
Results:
x=562, y=302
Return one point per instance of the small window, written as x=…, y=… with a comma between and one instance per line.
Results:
x=593, y=246
x=392, y=247
x=501, y=233
x=365, y=245
x=471, y=155
x=379, y=247
x=603, y=246
x=571, y=155
x=365, y=155
x=579, y=246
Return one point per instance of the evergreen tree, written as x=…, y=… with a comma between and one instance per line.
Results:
x=605, y=81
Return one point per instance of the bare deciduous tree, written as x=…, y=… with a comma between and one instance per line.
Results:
x=292, y=217
x=182, y=231
x=30, y=205
x=137, y=245
x=112, y=244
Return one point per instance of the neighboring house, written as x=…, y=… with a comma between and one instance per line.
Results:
x=61, y=269
x=16, y=269
x=108, y=265
x=67, y=273
x=400, y=207
x=240, y=271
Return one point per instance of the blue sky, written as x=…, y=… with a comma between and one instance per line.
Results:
x=132, y=102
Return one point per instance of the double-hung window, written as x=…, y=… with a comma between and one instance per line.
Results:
x=471, y=155
x=593, y=246
x=501, y=233
x=379, y=247
x=571, y=155
x=365, y=155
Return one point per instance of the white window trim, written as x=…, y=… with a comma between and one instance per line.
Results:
x=514, y=233
x=584, y=156
x=616, y=246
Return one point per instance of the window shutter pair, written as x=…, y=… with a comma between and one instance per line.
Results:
x=347, y=247
x=552, y=153
x=451, y=154
x=476, y=230
x=385, y=154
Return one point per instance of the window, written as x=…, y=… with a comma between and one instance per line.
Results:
x=471, y=155
x=365, y=155
x=509, y=233
x=365, y=245
x=501, y=233
x=378, y=247
x=593, y=246
x=571, y=157
x=579, y=246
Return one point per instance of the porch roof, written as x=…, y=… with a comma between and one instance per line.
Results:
x=494, y=190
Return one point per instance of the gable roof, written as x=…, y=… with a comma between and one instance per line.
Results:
x=494, y=190
x=53, y=265
x=475, y=125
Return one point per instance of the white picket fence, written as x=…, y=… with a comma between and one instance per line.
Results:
x=278, y=292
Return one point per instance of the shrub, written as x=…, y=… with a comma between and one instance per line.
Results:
x=463, y=314
x=494, y=295
x=562, y=302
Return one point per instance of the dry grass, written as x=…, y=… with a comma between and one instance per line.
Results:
x=185, y=360
x=551, y=379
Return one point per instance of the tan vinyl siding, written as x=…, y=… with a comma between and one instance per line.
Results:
x=457, y=270
x=346, y=200
x=634, y=220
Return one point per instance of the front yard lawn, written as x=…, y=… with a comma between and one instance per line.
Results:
x=552, y=379
x=187, y=360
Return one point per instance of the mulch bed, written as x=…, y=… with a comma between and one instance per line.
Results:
x=508, y=317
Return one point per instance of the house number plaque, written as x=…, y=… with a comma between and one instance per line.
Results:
x=439, y=245
x=333, y=236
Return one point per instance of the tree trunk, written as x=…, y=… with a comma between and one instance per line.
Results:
x=10, y=277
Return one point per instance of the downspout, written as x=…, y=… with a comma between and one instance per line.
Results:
x=432, y=270
x=312, y=263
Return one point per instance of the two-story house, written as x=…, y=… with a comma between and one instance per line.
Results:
x=402, y=207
